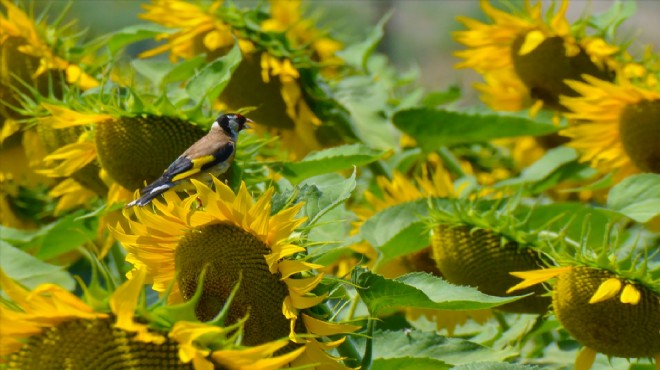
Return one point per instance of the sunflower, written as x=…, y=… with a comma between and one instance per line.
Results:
x=52, y=328
x=606, y=311
x=609, y=304
x=614, y=124
x=513, y=51
x=480, y=242
x=263, y=74
x=239, y=239
x=434, y=181
x=29, y=57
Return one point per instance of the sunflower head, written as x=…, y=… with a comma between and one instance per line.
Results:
x=236, y=238
x=36, y=54
x=478, y=246
x=614, y=123
x=512, y=53
x=608, y=313
x=610, y=305
x=51, y=328
x=274, y=54
x=131, y=136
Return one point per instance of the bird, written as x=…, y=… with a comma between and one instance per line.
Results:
x=210, y=155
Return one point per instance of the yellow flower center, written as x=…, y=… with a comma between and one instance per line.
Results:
x=608, y=326
x=139, y=149
x=93, y=344
x=639, y=127
x=478, y=258
x=230, y=252
x=544, y=69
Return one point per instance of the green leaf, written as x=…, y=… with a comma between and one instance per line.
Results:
x=60, y=237
x=419, y=290
x=637, y=197
x=435, y=98
x=433, y=128
x=357, y=54
x=428, y=346
x=409, y=363
x=30, y=271
x=215, y=76
x=398, y=230
x=133, y=34
x=161, y=72
x=365, y=98
x=323, y=193
x=330, y=160
x=495, y=366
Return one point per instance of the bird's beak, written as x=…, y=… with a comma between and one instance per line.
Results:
x=247, y=120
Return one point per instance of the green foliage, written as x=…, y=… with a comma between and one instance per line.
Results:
x=418, y=290
x=434, y=128
x=364, y=229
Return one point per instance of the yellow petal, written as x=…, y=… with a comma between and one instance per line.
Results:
x=585, y=359
x=324, y=328
x=288, y=267
x=124, y=300
x=536, y=277
x=607, y=289
x=532, y=40
x=630, y=294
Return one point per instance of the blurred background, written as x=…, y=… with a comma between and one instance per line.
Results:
x=417, y=36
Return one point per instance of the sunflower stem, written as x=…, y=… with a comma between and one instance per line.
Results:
x=451, y=161
x=367, y=360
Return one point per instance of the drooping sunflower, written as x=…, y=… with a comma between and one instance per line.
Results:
x=433, y=181
x=108, y=142
x=614, y=124
x=267, y=73
x=49, y=328
x=238, y=238
x=479, y=243
x=607, y=310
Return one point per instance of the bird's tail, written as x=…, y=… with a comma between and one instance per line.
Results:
x=150, y=194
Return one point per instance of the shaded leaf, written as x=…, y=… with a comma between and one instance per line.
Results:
x=358, y=54
x=215, y=76
x=133, y=34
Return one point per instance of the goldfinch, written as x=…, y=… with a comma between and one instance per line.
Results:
x=210, y=155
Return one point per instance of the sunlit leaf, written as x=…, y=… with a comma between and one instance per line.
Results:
x=433, y=128
x=419, y=347
x=637, y=197
x=30, y=271
x=323, y=193
x=330, y=160
x=419, y=290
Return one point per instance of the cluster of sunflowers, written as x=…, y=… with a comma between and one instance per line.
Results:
x=364, y=223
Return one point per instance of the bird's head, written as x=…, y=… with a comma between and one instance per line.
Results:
x=232, y=123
